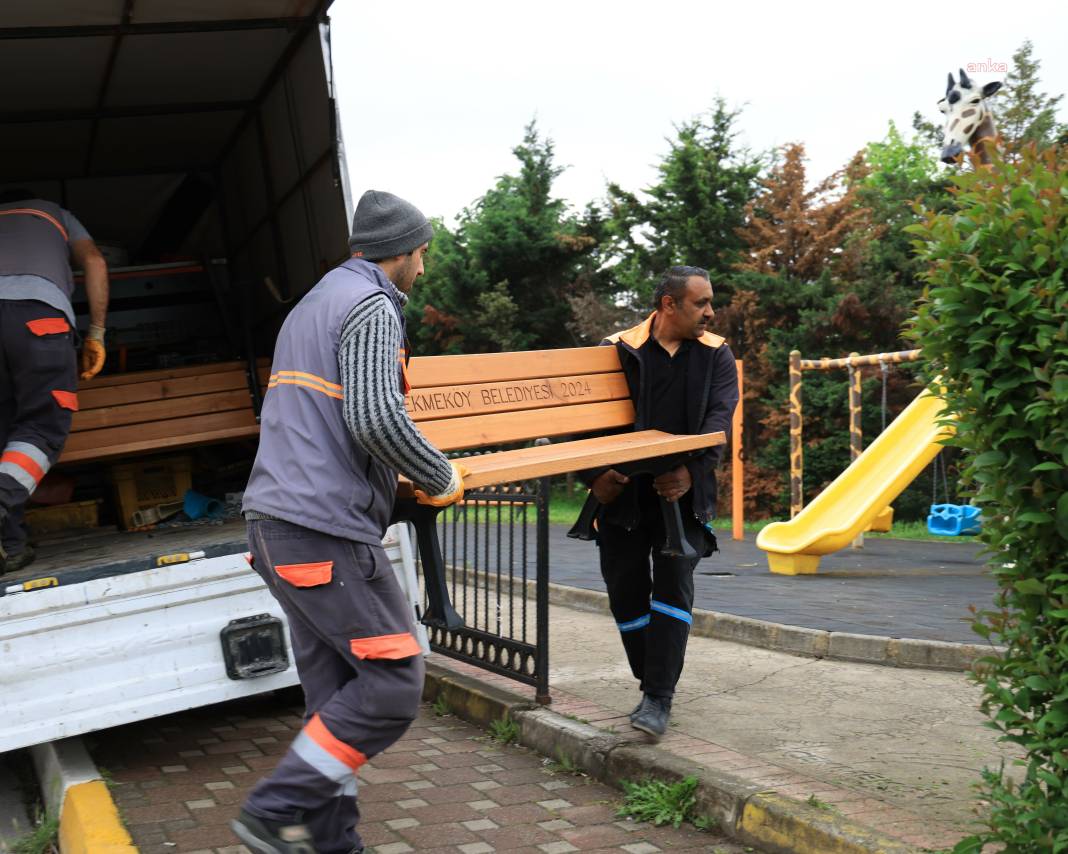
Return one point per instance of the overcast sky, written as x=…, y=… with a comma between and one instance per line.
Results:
x=434, y=95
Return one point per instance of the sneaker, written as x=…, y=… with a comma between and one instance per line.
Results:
x=652, y=716
x=15, y=562
x=269, y=837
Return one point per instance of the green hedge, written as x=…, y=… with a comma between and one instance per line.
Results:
x=993, y=324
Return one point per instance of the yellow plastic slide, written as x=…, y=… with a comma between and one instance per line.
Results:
x=860, y=493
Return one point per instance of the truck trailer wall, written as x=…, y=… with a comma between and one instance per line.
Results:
x=282, y=186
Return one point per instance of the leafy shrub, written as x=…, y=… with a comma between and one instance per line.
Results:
x=994, y=326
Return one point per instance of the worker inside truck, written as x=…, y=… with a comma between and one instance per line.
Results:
x=217, y=193
x=38, y=370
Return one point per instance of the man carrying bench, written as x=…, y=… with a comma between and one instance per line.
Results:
x=682, y=380
x=334, y=435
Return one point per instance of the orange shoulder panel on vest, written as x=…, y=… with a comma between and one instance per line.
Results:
x=711, y=340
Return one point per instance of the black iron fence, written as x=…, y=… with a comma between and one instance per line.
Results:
x=495, y=546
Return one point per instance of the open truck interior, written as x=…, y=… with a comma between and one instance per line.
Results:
x=197, y=141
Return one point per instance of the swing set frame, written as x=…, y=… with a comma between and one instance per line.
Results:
x=853, y=362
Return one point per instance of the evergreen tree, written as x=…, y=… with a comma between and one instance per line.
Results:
x=1026, y=114
x=502, y=279
x=693, y=212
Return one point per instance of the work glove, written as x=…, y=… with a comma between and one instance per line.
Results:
x=453, y=492
x=93, y=352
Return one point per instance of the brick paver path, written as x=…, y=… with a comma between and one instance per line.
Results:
x=445, y=787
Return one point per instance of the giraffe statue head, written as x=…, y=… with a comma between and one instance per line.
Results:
x=969, y=122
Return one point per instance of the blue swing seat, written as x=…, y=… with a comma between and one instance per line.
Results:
x=953, y=520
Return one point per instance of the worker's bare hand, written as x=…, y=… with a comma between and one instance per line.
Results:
x=607, y=487
x=672, y=485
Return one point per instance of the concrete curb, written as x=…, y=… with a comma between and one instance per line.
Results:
x=72, y=788
x=798, y=640
x=743, y=810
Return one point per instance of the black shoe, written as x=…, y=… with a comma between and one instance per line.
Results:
x=652, y=715
x=13, y=563
x=268, y=837
x=636, y=709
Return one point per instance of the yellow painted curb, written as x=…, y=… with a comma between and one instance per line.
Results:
x=788, y=825
x=89, y=822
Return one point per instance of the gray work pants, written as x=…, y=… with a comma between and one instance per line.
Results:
x=360, y=666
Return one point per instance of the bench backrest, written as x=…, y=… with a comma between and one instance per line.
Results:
x=497, y=398
x=146, y=411
x=459, y=402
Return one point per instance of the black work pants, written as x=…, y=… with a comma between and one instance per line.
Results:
x=38, y=384
x=651, y=594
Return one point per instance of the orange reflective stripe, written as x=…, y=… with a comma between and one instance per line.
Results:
x=386, y=646
x=66, y=399
x=48, y=326
x=25, y=463
x=305, y=376
x=306, y=380
x=42, y=214
x=307, y=574
x=317, y=732
x=312, y=386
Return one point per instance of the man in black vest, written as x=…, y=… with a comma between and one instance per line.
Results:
x=38, y=366
x=682, y=380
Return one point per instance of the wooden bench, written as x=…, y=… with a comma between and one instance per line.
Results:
x=135, y=413
x=493, y=399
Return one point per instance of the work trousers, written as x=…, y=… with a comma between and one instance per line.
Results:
x=38, y=385
x=651, y=594
x=359, y=663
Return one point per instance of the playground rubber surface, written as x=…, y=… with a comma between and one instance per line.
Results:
x=898, y=588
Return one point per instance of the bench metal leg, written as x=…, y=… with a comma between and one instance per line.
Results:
x=440, y=611
x=675, y=542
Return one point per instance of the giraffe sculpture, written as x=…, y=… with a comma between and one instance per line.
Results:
x=969, y=122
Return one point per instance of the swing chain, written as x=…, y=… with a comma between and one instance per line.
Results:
x=886, y=370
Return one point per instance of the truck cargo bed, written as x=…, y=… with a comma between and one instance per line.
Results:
x=102, y=552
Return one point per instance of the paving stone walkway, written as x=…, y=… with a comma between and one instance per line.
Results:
x=445, y=787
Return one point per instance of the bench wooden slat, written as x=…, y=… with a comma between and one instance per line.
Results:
x=476, y=431
x=160, y=410
x=436, y=402
x=548, y=460
x=107, y=380
x=167, y=443
x=425, y=371
x=177, y=432
x=120, y=395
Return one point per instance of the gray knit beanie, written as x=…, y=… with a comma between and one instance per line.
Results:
x=385, y=225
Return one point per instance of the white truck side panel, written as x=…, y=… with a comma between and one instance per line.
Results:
x=116, y=650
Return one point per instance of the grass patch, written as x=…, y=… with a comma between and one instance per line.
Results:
x=504, y=730
x=43, y=839
x=658, y=802
x=565, y=763
x=813, y=801
x=441, y=707
x=564, y=510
